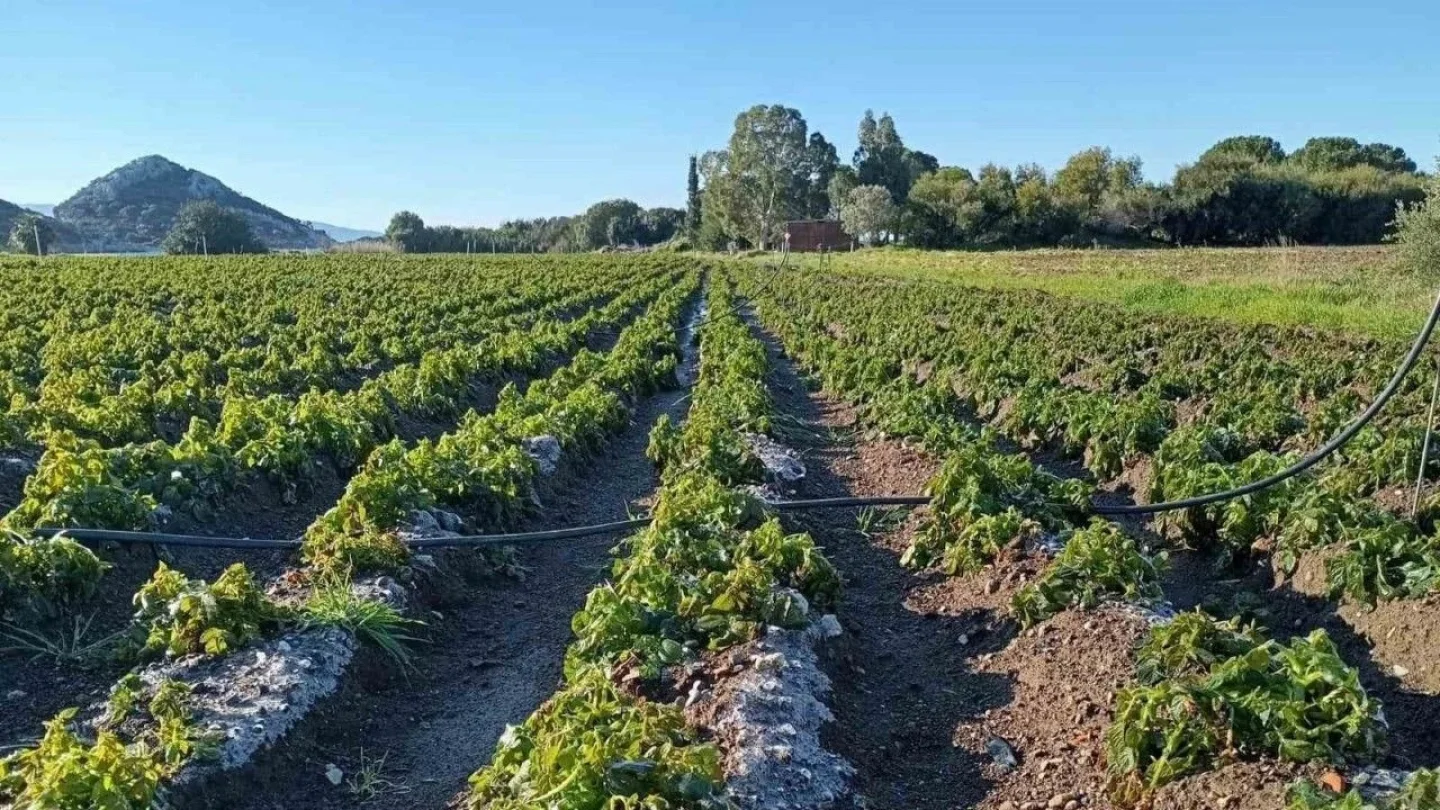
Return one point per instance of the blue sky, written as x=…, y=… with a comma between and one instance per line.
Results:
x=473, y=112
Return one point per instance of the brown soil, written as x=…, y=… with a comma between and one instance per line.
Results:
x=1056, y=718
x=493, y=654
x=902, y=677
x=908, y=685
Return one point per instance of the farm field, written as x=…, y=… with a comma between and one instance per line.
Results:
x=1356, y=289
x=1007, y=644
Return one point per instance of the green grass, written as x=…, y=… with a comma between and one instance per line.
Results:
x=1355, y=289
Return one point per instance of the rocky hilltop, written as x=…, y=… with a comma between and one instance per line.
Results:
x=133, y=207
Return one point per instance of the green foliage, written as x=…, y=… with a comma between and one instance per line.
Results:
x=773, y=170
x=1299, y=702
x=45, y=575
x=1158, y=734
x=406, y=232
x=1098, y=563
x=65, y=772
x=594, y=747
x=1417, y=231
x=1389, y=561
x=1189, y=646
x=202, y=226
x=981, y=501
x=869, y=214
x=180, y=616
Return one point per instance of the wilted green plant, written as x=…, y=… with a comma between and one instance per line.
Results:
x=1389, y=561
x=1099, y=562
x=978, y=482
x=1299, y=702
x=181, y=616
x=1190, y=645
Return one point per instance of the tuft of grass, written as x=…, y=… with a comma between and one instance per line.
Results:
x=333, y=603
x=874, y=520
x=66, y=645
x=368, y=781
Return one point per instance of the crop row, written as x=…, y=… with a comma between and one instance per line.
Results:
x=127, y=351
x=1196, y=708
x=480, y=469
x=79, y=483
x=712, y=570
x=1171, y=407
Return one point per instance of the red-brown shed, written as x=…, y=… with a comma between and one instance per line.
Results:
x=812, y=235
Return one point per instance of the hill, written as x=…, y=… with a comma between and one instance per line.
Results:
x=134, y=206
x=67, y=240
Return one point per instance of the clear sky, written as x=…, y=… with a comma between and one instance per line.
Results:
x=345, y=111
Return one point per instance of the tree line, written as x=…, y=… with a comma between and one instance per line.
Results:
x=611, y=224
x=1242, y=191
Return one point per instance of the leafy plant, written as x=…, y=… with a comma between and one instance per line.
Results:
x=65, y=772
x=1190, y=645
x=1099, y=562
x=592, y=746
x=1300, y=702
x=981, y=500
x=1388, y=561
x=46, y=575
x=180, y=616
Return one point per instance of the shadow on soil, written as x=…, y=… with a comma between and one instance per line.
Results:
x=902, y=681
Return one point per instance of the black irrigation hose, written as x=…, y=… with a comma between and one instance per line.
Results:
x=1308, y=461
x=195, y=540
x=202, y=541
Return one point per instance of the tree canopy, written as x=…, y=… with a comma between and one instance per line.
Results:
x=23, y=235
x=203, y=226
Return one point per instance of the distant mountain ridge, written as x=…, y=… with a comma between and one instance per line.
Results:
x=132, y=208
x=340, y=233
